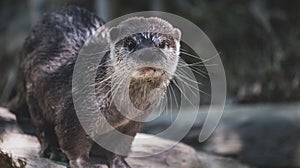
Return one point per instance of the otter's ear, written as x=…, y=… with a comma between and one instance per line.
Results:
x=177, y=34
x=114, y=33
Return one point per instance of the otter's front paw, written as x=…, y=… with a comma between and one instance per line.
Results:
x=53, y=154
x=79, y=163
x=118, y=162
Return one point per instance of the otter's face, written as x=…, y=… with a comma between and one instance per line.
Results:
x=147, y=55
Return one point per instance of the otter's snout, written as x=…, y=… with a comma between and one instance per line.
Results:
x=148, y=57
x=148, y=62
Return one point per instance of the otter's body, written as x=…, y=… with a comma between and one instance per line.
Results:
x=45, y=88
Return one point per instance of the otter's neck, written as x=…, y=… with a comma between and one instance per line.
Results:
x=144, y=93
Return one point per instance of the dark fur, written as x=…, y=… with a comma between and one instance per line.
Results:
x=44, y=82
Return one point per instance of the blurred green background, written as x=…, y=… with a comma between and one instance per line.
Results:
x=258, y=40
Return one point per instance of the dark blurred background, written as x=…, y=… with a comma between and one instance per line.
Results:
x=258, y=40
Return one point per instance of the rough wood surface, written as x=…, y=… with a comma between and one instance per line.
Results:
x=26, y=147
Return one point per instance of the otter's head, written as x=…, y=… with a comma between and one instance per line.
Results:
x=146, y=49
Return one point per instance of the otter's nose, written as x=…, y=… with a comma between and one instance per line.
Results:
x=150, y=55
x=144, y=44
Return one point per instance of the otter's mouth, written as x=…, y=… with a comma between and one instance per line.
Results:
x=147, y=72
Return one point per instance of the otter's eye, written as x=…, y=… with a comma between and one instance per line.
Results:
x=162, y=44
x=130, y=43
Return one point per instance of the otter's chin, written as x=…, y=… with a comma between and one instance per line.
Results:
x=147, y=73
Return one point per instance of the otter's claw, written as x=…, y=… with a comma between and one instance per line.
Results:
x=118, y=162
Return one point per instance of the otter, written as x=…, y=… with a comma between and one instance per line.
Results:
x=45, y=76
